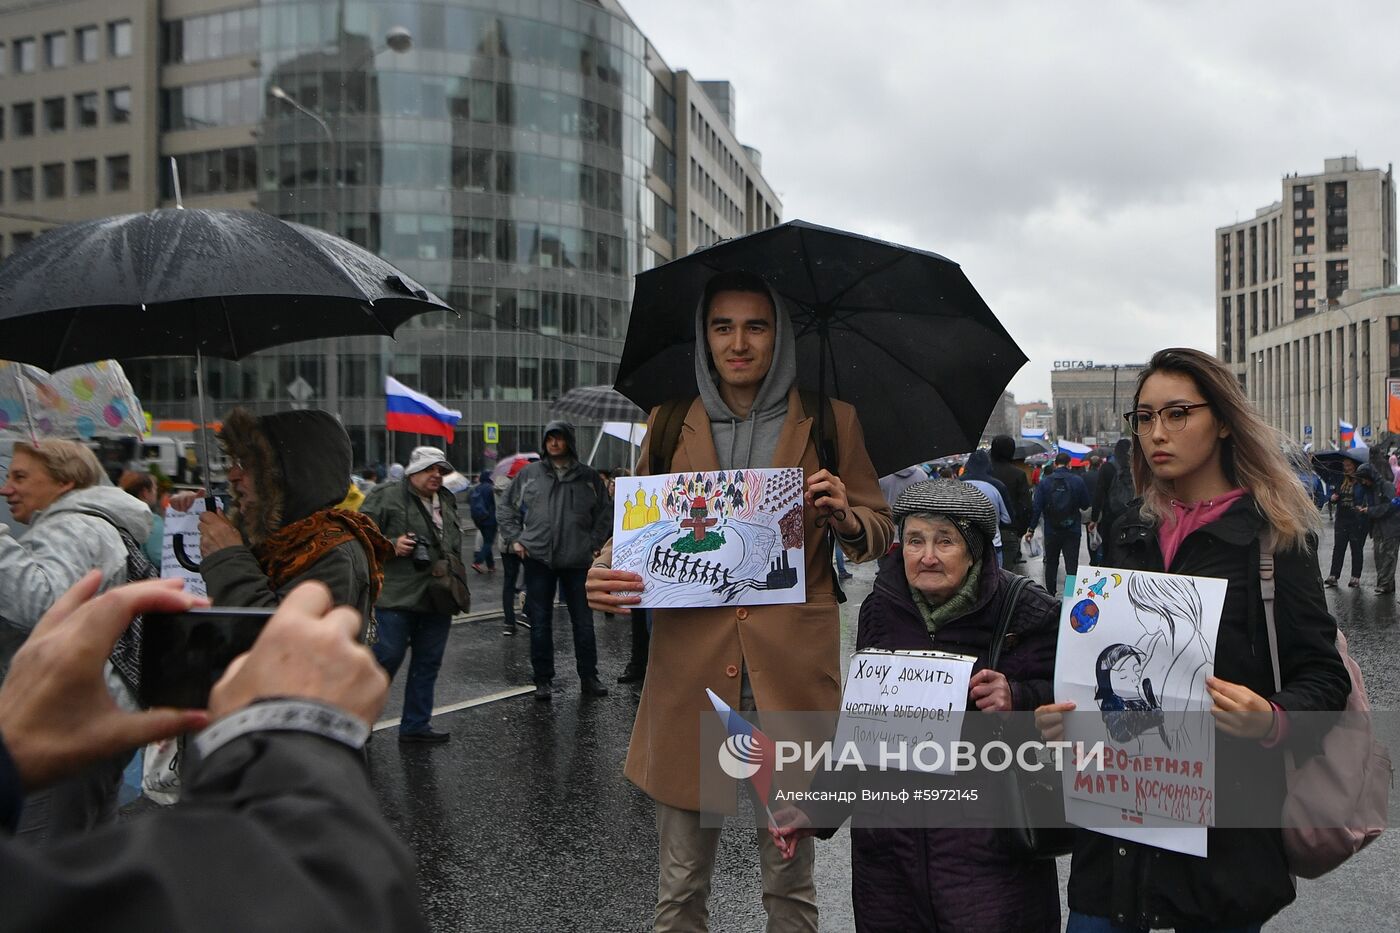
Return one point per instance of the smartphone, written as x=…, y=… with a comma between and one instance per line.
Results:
x=183, y=654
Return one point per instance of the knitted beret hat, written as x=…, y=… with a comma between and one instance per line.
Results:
x=961, y=503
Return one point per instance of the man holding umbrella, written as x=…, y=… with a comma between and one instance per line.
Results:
x=749, y=413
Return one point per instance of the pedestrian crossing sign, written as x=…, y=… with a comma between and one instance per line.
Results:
x=491, y=432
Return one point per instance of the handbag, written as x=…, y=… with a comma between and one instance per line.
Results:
x=1336, y=802
x=1033, y=800
x=448, y=592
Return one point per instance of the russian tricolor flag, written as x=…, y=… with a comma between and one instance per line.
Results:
x=748, y=748
x=1346, y=433
x=1078, y=453
x=1029, y=435
x=414, y=413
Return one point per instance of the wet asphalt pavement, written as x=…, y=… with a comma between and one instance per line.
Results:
x=524, y=821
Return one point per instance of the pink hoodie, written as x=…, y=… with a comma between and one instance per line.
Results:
x=1187, y=517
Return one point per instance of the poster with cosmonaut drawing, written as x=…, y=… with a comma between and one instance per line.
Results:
x=721, y=538
x=1133, y=655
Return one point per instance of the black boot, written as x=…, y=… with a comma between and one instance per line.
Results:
x=636, y=670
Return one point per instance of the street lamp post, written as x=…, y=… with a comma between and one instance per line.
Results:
x=398, y=40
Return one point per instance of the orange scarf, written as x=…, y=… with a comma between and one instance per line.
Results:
x=292, y=550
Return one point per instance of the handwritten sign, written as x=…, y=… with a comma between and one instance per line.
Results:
x=179, y=551
x=904, y=698
x=1137, y=648
x=719, y=538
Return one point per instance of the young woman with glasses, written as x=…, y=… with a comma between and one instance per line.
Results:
x=1213, y=483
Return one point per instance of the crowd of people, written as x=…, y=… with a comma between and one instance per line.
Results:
x=275, y=782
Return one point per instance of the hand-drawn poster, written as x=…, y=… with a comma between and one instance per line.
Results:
x=179, y=552
x=723, y=538
x=901, y=699
x=1137, y=648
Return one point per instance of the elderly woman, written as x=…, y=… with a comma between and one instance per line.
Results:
x=941, y=589
x=77, y=523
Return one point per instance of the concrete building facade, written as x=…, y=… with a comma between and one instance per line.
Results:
x=1088, y=399
x=524, y=161
x=1305, y=301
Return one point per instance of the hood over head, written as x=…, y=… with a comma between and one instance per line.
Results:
x=1122, y=450
x=564, y=428
x=485, y=477
x=1003, y=447
x=300, y=462
x=396, y=472
x=978, y=466
x=752, y=441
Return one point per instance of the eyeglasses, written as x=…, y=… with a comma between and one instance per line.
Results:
x=1173, y=417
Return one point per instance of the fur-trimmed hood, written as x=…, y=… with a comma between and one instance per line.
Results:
x=300, y=463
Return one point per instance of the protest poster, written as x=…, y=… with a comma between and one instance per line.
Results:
x=179, y=550
x=721, y=538
x=900, y=699
x=1137, y=648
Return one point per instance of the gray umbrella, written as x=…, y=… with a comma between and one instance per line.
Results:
x=596, y=403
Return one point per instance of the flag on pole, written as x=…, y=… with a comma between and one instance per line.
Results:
x=414, y=413
x=1078, y=453
x=747, y=752
x=1346, y=434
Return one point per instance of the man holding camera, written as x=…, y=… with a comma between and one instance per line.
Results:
x=421, y=521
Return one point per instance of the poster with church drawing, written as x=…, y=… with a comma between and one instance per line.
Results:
x=721, y=538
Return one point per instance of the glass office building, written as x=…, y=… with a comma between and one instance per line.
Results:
x=519, y=159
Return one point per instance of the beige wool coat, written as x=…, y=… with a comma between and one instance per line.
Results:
x=792, y=652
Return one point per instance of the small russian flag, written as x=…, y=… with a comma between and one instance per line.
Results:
x=1078, y=453
x=1346, y=433
x=414, y=413
x=750, y=750
x=1030, y=435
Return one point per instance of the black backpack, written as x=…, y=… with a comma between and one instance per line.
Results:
x=1059, y=501
x=1120, y=491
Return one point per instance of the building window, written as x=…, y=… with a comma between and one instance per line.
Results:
x=85, y=176
x=87, y=43
x=119, y=38
x=118, y=173
x=119, y=105
x=55, y=174
x=55, y=49
x=22, y=184
x=55, y=114
x=85, y=108
x=24, y=119
x=24, y=56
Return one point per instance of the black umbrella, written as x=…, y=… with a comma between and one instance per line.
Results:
x=178, y=282
x=899, y=333
x=596, y=403
x=1029, y=447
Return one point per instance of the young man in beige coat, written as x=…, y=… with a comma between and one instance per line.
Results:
x=749, y=414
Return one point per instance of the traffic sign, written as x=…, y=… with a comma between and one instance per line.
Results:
x=491, y=432
x=1366, y=431
x=1307, y=429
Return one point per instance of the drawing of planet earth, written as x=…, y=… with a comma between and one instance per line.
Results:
x=1084, y=616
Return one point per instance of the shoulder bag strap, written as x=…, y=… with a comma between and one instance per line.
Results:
x=1008, y=606
x=428, y=518
x=667, y=429
x=1266, y=590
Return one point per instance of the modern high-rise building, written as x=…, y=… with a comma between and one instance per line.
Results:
x=1307, y=313
x=524, y=160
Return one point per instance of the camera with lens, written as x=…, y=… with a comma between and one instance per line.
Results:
x=422, y=557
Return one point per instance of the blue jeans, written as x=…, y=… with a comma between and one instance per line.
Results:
x=541, y=580
x=1060, y=542
x=488, y=538
x=1085, y=923
x=426, y=633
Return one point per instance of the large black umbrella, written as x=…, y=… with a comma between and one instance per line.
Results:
x=222, y=283
x=899, y=333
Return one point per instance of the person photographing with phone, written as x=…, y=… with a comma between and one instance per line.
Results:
x=279, y=789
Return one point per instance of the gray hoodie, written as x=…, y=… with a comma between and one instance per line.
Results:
x=750, y=442
x=62, y=544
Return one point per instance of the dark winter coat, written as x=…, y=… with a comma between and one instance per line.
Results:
x=393, y=509
x=1385, y=516
x=1244, y=880
x=300, y=464
x=957, y=879
x=1018, y=485
x=274, y=831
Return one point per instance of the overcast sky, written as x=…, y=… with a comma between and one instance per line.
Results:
x=1074, y=157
